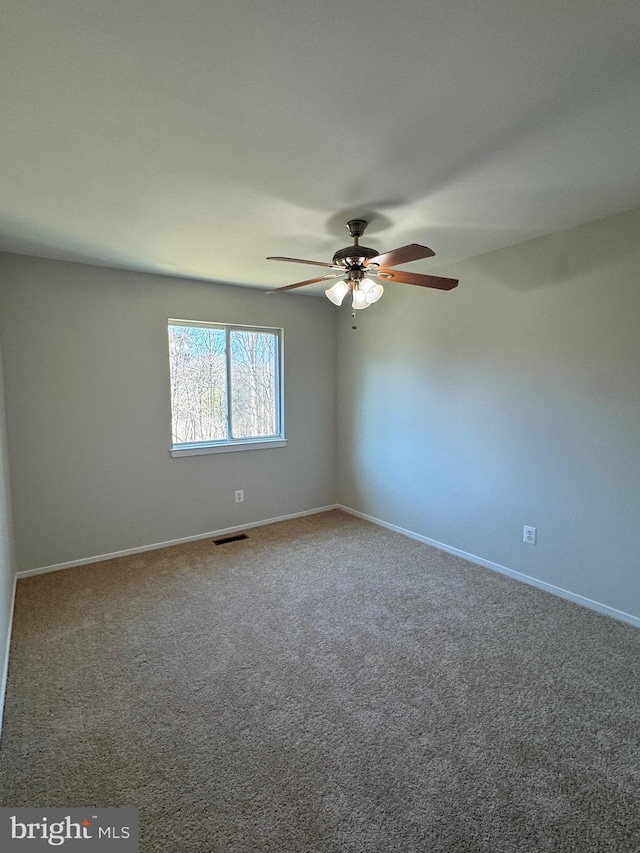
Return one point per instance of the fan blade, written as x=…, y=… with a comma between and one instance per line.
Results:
x=300, y=261
x=412, y=252
x=416, y=278
x=302, y=283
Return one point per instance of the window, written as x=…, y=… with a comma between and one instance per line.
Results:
x=226, y=389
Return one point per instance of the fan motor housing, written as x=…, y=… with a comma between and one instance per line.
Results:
x=354, y=256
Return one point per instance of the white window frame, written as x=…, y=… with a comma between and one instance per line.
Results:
x=235, y=444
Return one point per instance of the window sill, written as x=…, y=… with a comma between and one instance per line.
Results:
x=231, y=447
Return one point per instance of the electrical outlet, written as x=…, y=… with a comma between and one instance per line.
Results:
x=529, y=535
x=239, y=496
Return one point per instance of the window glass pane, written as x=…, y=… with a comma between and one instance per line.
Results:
x=254, y=375
x=198, y=384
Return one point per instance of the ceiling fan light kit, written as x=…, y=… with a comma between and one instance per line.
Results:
x=358, y=265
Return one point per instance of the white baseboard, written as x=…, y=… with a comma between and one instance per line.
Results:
x=503, y=570
x=5, y=664
x=141, y=549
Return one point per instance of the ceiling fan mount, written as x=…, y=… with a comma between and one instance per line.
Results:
x=356, y=228
x=358, y=265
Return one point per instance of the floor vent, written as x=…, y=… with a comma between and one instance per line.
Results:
x=226, y=539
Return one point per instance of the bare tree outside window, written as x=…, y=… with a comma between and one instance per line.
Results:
x=224, y=383
x=253, y=380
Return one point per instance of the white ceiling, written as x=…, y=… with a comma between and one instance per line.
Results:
x=196, y=137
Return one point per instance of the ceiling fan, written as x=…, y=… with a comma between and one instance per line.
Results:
x=358, y=266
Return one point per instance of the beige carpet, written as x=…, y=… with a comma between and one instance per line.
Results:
x=324, y=685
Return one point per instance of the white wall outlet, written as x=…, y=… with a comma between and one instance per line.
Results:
x=529, y=535
x=239, y=496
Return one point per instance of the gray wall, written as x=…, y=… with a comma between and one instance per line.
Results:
x=88, y=411
x=7, y=556
x=514, y=399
